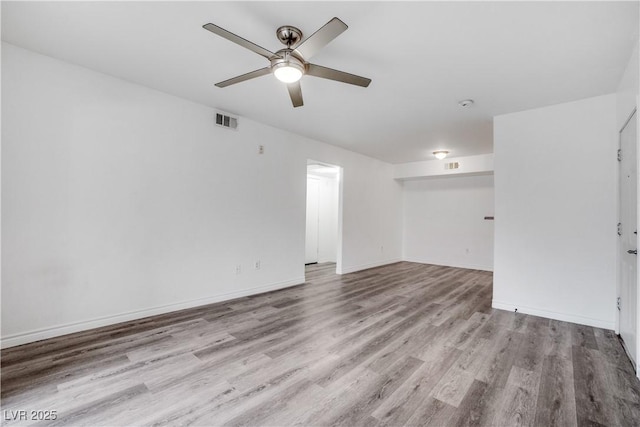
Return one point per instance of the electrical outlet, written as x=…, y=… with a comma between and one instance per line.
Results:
x=260, y=149
x=258, y=265
x=238, y=269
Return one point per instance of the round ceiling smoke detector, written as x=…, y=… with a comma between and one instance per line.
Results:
x=466, y=103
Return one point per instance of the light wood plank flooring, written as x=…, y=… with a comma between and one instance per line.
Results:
x=404, y=344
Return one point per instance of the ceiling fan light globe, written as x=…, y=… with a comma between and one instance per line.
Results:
x=287, y=74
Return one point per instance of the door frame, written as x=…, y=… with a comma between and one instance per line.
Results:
x=340, y=178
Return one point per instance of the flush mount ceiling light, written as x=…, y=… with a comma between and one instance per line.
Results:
x=440, y=154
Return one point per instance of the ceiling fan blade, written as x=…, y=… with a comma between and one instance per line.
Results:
x=316, y=41
x=295, y=92
x=340, y=76
x=239, y=40
x=252, y=75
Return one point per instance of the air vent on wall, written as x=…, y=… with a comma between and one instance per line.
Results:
x=452, y=165
x=226, y=121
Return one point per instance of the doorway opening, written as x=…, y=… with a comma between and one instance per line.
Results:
x=628, y=238
x=323, y=237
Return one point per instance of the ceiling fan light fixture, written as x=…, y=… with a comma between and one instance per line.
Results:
x=287, y=72
x=440, y=154
x=288, y=65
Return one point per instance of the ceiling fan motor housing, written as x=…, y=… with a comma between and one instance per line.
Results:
x=288, y=58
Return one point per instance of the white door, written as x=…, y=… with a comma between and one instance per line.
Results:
x=313, y=209
x=628, y=303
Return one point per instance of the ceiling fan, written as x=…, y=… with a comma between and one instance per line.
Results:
x=291, y=63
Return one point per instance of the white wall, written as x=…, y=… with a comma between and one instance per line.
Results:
x=555, y=206
x=628, y=89
x=444, y=221
x=312, y=228
x=468, y=165
x=119, y=201
x=328, y=220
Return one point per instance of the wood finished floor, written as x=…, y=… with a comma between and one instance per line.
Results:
x=404, y=344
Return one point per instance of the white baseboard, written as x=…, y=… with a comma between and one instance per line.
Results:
x=55, y=331
x=565, y=317
x=455, y=264
x=354, y=268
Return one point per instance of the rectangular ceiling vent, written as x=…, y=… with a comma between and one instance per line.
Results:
x=226, y=121
x=452, y=165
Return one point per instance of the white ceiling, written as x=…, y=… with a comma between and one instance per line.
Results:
x=423, y=57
